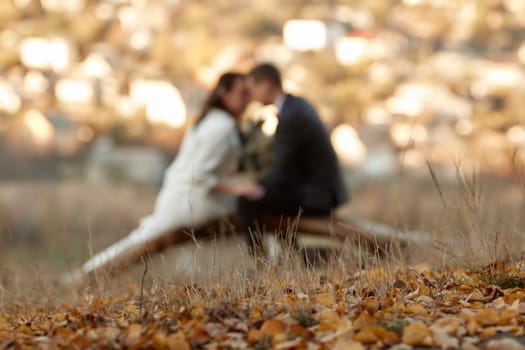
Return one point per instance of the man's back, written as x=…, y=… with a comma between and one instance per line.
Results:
x=304, y=159
x=304, y=176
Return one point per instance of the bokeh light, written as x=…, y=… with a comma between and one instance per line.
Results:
x=162, y=101
x=47, y=53
x=406, y=134
x=349, y=147
x=40, y=128
x=75, y=91
x=305, y=35
x=10, y=101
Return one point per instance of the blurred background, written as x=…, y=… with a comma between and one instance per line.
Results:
x=95, y=96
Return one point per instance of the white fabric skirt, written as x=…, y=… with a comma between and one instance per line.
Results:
x=175, y=208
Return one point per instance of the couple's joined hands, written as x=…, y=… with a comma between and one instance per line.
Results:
x=250, y=190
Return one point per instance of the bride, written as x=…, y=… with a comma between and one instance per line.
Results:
x=195, y=188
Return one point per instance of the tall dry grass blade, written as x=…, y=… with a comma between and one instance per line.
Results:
x=436, y=183
x=141, y=302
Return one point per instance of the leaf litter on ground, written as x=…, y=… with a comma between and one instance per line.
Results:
x=372, y=309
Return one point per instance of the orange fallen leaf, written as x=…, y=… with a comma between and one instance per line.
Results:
x=197, y=313
x=417, y=309
x=449, y=324
x=472, y=327
x=159, y=341
x=366, y=336
x=222, y=337
x=256, y=313
x=272, y=327
x=298, y=331
x=417, y=334
x=371, y=306
x=488, y=332
x=504, y=343
x=487, y=317
x=344, y=344
x=253, y=336
x=199, y=335
x=329, y=321
x=387, y=337
x=291, y=344
x=443, y=339
x=177, y=341
x=325, y=299
x=476, y=295
x=132, y=334
x=373, y=334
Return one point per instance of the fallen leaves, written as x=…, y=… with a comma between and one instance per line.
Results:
x=417, y=334
x=420, y=308
x=325, y=299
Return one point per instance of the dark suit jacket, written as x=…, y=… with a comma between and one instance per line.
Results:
x=304, y=160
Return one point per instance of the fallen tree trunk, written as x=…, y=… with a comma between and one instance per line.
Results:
x=340, y=227
x=373, y=235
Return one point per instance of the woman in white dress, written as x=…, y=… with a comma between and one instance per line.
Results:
x=195, y=189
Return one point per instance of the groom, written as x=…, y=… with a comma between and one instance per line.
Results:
x=305, y=176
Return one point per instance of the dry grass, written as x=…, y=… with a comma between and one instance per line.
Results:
x=48, y=229
x=207, y=285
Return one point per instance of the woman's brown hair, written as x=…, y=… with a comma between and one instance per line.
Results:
x=214, y=99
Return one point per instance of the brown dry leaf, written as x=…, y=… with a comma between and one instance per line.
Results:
x=366, y=336
x=222, y=337
x=472, y=327
x=449, y=324
x=177, y=341
x=508, y=317
x=132, y=334
x=132, y=309
x=159, y=341
x=371, y=306
x=425, y=299
x=417, y=334
x=253, y=336
x=443, y=339
x=273, y=328
x=487, y=317
x=325, y=299
x=476, y=295
x=23, y=329
x=292, y=344
x=197, y=313
x=346, y=344
x=329, y=320
x=256, y=313
x=488, y=332
x=387, y=337
x=417, y=309
x=199, y=335
x=64, y=335
x=122, y=322
x=466, y=288
x=504, y=344
x=372, y=334
x=298, y=331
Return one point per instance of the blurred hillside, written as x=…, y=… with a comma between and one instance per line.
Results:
x=95, y=87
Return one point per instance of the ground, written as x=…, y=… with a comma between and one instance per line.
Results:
x=461, y=291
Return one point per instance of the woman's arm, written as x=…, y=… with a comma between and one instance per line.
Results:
x=250, y=190
x=225, y=187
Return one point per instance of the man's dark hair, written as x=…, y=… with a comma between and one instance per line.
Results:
x=266, y=72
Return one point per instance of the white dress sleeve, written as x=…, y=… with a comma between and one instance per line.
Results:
x=214, y=146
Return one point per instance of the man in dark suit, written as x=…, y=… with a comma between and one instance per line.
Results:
x=305, y=177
